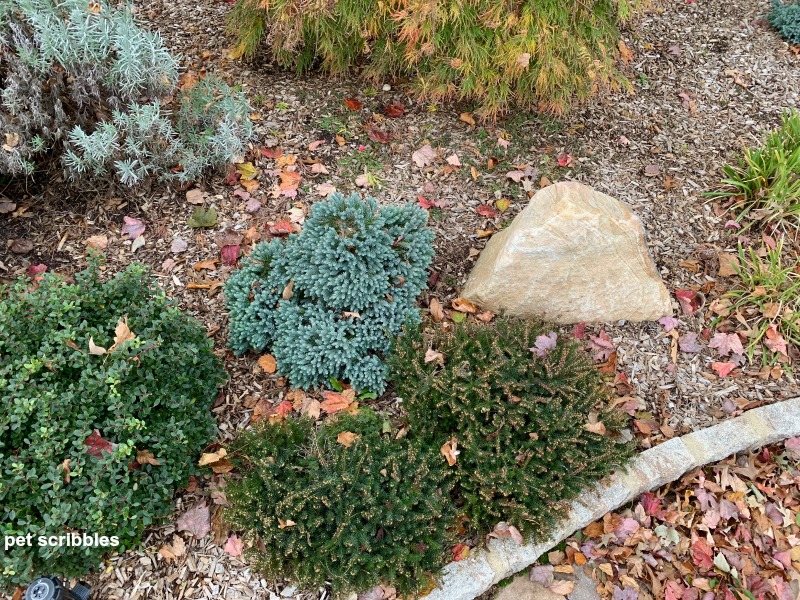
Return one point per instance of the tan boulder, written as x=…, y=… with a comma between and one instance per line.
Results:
x=572, y=255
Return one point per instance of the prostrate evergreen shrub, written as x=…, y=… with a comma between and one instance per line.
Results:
x=346, y=503
x=105, y=396
x=535, y=53
x=328, y=302
x=785, y=17
x=528, y=416
x=82, y=81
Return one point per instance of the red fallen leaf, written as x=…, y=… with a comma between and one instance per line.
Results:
x=565, y=159
x=726, y=343
x=352, y=103
x=487, y=211
x=376, y=134
x=97, y=445
x=651, y=504
x=273, y=152
x=394, y=109
x=234, y=546
x=231, y=175
x=770, y=242
x=133, y=228
x=196, y=520
x=723, y=369
x=230, y=254
x=423, y=202
x=601, y=345
x=702, y=555
x=775, y=341
x=35, y=270
x=689, y=301
x=460, y=552
x=336, y=401
x=579, y=331
x=281, y=228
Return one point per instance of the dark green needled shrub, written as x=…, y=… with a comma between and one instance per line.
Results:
x=355, y=273
x=785, y=17
x=315, y=510
x=73, y=423
x=518, y=419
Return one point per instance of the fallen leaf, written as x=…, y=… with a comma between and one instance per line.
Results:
x=94, y=349
x=689, y=301
x=565, y=159
x=562, y=586
x=437, y=312
x=503, y=530
x=268, y=363
x=209, y=458
x=464, y=306
x=281, y=228
x=726, y=343
x=324, y=189
x=363, y=181
x=601, y=345
x=98, y=242
x=195, y=196
x=544, y=343
x=652, y=171
x=775, y=341
x=394, y=109
x=453, y=160
x=96, y=445
x=352, y=103
x=449, y=451
x=723, y=369
x=337, y=401
x=502, y=205
x=230, y=254
x=179, y=245
x=7, y=207
x=133, y=228
x=466, y=117
x=234, y=546
x=689, y=343
x=487, y=211
x=315, y=144
x=432, y=355
x=346, y=438
x=284, y=524
x=247, y=171
x=122, y=334
x=594, y=425
x=145, y=457
x=203, y=217
x=424, y=156
x=196, y=520
x=376, y=134
x=423, y=202
x=21, y=246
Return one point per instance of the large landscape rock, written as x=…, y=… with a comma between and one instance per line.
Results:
x=572, y=255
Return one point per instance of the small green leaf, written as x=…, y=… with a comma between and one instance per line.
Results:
x=336, y=385
x=203, y=217
x=458, y=317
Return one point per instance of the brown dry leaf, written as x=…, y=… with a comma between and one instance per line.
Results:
x=464, y=306
x=65, y=467
x=210, y=265
x=437, y=312
x=195, y=196
x=145, y=457
x=209, y=458
x=432, y=355
x=99, y=242
x=728, y=264
x=474, y=172
x=594, y=425
x=625, y=53
x=485, y=316
x=284, y=524
x=337, y=401
x=288, y=291
x=467, y=118
x=94, y=349
x=450, y=452
x=346, y=438
x=311, y=408
x=268, y=363
x=122, y=334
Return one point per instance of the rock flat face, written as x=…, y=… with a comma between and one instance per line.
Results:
x=572, y=255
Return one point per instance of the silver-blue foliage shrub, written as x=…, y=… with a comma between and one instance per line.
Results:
x=356, y=271
x=83, y=82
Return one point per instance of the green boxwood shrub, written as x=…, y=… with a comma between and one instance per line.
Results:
x=82, y=85
x=316, y=511
x=535, y=53
x=80, y=433
x=518, y=419
x=785, y=17
x=355, y=273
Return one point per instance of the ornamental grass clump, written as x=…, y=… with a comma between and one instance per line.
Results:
x=536, y=53
x=84, y=86
x=328, y=302
x=765, y=184
x=345, y=504
x=522, y=417
x=105, y=396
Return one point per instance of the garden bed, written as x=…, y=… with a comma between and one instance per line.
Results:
x=709, y=77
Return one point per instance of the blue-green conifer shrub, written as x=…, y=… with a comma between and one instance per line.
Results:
x=95, y=434
x=355, y=273
x=785, y=17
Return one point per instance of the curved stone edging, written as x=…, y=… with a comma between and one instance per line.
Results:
x=469, y=578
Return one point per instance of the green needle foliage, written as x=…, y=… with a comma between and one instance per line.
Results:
x=518, y=420
x=316, y=511
x=785, y=17
x=72, y=423
x=535, y=53
x=328, y=302
x=765, y=183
